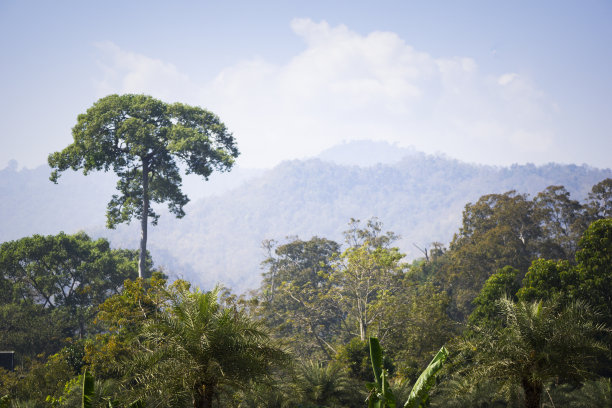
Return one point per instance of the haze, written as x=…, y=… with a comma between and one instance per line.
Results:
x=484, y=82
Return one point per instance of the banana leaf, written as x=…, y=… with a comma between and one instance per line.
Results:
x=420, y=391
x=88, y=390
x=380, y=395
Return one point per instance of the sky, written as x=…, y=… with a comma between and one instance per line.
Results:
x=490, y=82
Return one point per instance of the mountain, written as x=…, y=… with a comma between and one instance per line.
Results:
x=365, y=153
x=419, y=197
x=31, y=204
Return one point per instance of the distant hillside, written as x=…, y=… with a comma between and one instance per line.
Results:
x=420, y=197
x=365, y=153
x=31, y=204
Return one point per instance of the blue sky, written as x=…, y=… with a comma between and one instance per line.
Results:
x=493, y=82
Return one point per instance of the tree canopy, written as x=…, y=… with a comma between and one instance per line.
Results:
x=143, y=140
x=52, y=286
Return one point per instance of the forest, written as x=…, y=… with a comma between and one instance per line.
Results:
x=520, y=299
x=305, y=204
x=514, y=311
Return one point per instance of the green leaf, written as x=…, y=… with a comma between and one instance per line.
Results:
x=388, y=397
x=377, y=360
x=88, y=390
x=420, y=391
x=380, y=392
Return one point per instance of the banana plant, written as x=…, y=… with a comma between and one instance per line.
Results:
x=419, y=396
x=381, y=396
x=89, y=393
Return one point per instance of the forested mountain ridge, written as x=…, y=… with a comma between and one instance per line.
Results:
x=420, y=197
x=31, y=204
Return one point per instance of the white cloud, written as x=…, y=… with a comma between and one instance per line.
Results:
x=346, y=86
x=129, y=72
x=505, y=79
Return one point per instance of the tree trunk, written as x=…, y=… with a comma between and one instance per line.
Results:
x=144, y=220
x=362, y=329
x=363, y=317
x=321, y=345
x=203, y=396
x=533, y=394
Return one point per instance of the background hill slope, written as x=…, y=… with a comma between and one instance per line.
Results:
x=420, y=197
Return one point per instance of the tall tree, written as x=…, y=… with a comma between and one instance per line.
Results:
x=141, y=139
x=599, y=203
x=296, y=299
x=562, y=221
x=366, y=274
x=497, y=230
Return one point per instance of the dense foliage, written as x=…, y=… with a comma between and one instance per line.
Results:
x=520, y=299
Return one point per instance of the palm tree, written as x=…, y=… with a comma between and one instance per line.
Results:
x=539, y=342
x=325, y=385
x=458, y=392
x=273, y=394
x=195, y=350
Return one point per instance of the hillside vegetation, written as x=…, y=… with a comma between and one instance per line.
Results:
x=518, y=302
x=420, y=197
